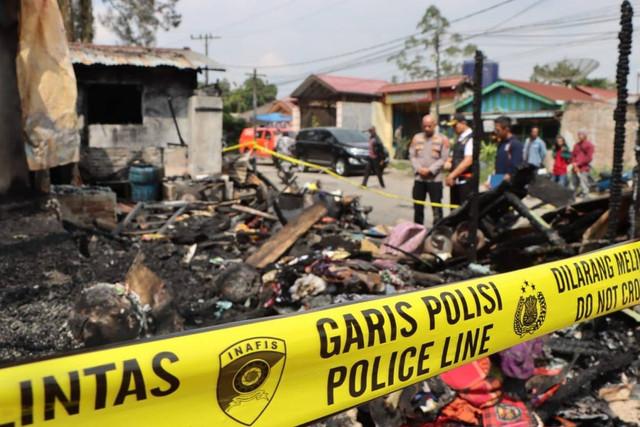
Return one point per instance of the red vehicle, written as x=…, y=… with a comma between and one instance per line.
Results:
x=265, y=137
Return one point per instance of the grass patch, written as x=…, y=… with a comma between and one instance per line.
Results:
x=401, y=166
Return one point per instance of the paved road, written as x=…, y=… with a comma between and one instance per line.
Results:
x=385, y=210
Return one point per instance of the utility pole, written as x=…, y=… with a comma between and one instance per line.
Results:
x=255, y=75
x=438, y=80
x=206, y=38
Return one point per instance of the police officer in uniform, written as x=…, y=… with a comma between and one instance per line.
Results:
x=460, y=161
x=428, y=153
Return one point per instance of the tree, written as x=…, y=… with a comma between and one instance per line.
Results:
x=135, y=22
x=598, y=82
x=566, y=73
x=560, y=72
x=77, y=16
x=240, y=99
x=434, y=37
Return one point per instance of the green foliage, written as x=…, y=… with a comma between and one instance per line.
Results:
x=414, y=60
x=136, y=22
x=597, y=82
x=564, y=72
x=232, y=127
x=240, y=99
x=314, y=121
x=488, y=154
x=402, y=149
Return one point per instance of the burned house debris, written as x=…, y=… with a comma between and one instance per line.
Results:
x=224, y=240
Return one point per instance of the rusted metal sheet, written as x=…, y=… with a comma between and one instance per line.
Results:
x=140, y=56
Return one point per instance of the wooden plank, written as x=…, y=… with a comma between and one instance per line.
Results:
x=598, y=229
x=251, y=211
x=279, y=243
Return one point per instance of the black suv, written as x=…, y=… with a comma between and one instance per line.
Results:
x=345, y=150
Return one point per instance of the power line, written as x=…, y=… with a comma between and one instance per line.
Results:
x=353, y=52
x=282, y=24
x=254, y=15
x=487, y=9
x=531, y=6
x=206, y=39
x=584, y=18
x=311, y=61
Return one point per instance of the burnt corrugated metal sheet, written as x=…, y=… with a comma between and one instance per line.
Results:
x=139, y=56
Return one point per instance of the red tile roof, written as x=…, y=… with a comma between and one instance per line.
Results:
x=598, y=93
x=289, y=101
x=352, y=84
x=553, y=92
x=448, y=82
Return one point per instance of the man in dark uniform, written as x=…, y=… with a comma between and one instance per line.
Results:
x=376, y=151
x=428, y=153
x=460, y=160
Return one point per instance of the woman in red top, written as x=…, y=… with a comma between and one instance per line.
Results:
x=562, y=156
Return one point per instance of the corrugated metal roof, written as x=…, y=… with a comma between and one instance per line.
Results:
x=139, y=56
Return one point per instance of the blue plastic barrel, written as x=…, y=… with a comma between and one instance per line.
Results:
x=143, y=174
x=144, y=192
x=144, y=183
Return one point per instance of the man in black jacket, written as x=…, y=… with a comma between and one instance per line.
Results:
x=376, y=151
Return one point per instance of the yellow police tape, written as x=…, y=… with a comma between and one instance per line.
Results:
x=328, y=171
x=289, y=370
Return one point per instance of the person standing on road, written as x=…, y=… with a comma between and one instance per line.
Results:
x=397, y=137
x=581, y=157
x=535, y=150
x=284, y=146
x=428, y=152
x=376, y=150
x=460, y=161
x=509, y=155
x=562, y=156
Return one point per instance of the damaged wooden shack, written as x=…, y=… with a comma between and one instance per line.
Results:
x=143, y=103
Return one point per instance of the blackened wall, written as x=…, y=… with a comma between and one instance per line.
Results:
x=156, y=85
x=13, y=160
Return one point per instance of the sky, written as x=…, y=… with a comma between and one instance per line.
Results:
x=275, y=35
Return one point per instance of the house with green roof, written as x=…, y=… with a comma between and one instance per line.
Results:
x=527, y=103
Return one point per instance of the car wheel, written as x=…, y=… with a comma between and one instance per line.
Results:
x=340, y=167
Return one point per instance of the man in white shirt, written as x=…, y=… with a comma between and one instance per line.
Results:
x=460, y=161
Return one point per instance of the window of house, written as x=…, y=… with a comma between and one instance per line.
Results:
x=114, y=104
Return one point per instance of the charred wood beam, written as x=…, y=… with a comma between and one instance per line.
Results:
x=620, y=116
x=538, y=223
x=474, y=205
x=574, y=385
x=635, y=205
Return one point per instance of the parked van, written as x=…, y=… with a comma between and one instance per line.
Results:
x=265, y=137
